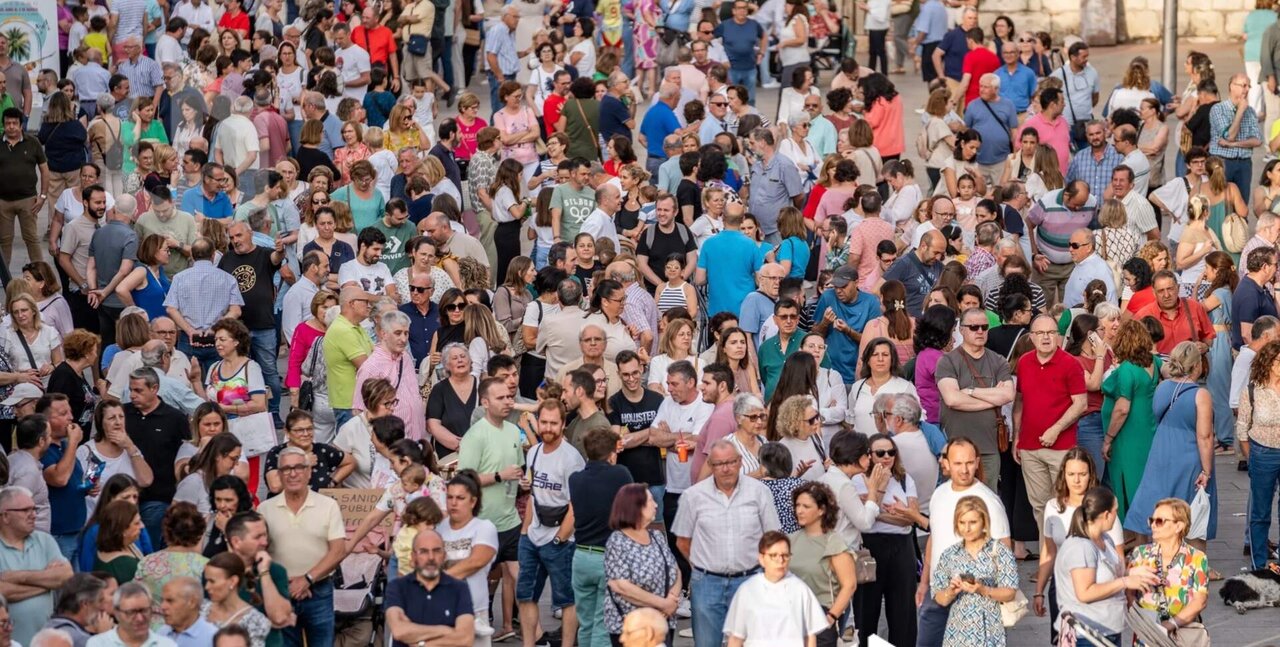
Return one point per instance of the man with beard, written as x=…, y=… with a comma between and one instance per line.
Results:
x=429, y=605
x=368, y=271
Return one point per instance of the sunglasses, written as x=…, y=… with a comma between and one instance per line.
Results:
x=882, y=453
x=419, y=289
x=813, y=420
x=977, y=327
x=755, y=416
x=1157, y=522
x=454, y=307
x=1077, y=245
x=720, y=103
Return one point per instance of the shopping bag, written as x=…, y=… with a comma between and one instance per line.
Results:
x=1199, y=515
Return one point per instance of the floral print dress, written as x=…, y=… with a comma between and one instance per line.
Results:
x=975, y=619
x=645, y=38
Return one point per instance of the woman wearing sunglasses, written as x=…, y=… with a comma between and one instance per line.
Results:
x=797, y=427
x=1182, y=572
x=891, y=542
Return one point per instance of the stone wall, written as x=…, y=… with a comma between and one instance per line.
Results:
x=1136, y=20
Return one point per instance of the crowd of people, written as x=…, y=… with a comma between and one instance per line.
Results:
x=617, y=330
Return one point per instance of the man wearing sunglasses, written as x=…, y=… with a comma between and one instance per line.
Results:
x=1088, y=266
x=974, y=385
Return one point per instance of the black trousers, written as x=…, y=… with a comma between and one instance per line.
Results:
x=926, y=62
x=83, y=316
x=895, y=584
x=877, y=50
x=671, y=503
x=506, y=237
x=107, y=317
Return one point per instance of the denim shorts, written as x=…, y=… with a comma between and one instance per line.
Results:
x=537, y=563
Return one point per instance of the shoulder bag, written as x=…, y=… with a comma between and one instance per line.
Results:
x=1014, y=610
x=26, y=347
x=998, y=121
x=307, y=391
x=1002, y=428
x=595, y=139
x=549, y=516
x=1077, y=125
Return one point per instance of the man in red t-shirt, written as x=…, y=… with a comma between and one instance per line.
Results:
x=555, y=101
x=380, y=43
x=977, y=62
x=235, y=19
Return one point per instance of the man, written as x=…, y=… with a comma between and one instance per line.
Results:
x=307, y=538
x=1181, y=318
x=631, y=413
x=948, y=58
x=669, y=236
x=644, y=627
x=1017, y=81
x=592, y=491
x=92, y=80
x=157, y=431
x=177, y=227
x=459, y=244
x=745, y=45
x=759, y=305
x=615, y=117
x=346, y=347
x=919, y=270
x=352, y=62
x=1094, y=163
x=1081, y=89
x=132, y=610
x=716, y=529
x=209, y=201
x=1126, y=144
x=842, y=312
x=23, y=194
x=198, y=298
x=1045, y=411
x=254, y=269
x=737, y=259
x=978, y=62
x=1127, y=187
x=994, y=119
x=985, y=238
x=368, y=272
x=492, y=448
x=429, y=606
x=1266, y=233
x=591, y=344
x=1235, y=130
x=930, y=27
x=112, y=256
x=579, y=397
x=63, y=474
x=31, y=440
x=176, y=92
x=32, y=565
x=560, y=333
x=17, y=79
x=79, y=612
x=974, y=384
x=177, y=392
x=398, y=231
x=640, y=312
x=313, y=107
x=180, y=605
x=1002, y=249
x=379, y=41
x=919, y=446
x=960, y=461
x=680, y=419
x=659, y=122
x=192, y=175
x=822, y=132
x=118, y=88
x=1265, y=330
x=247, y=538
x=180, y=367
x=169, y=44
x=501, y=54
x=600, y=223
x=716, y=388
x=546, y=536
x=1050, y=125
x=776, y=349
x=1253, y=298
x=237, y=143
x=144, y=74
x=446, y=141
x=668, y=178
x=572, y=202
x=410, y=165
x=1052, y=219
x=775, y=182
x=424, y=316
x=711, y=46
x=297, y=301
x=1088, y=267
x=690, y=78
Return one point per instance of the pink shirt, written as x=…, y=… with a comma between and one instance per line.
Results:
x=1056, y=135
x=521, y=122
x=303, y=337
x=885, y=118
x=467, y=138
x=410, y=407
x=863, y=240
x=720, y=425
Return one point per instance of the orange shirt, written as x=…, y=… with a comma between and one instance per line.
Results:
x=379, y=42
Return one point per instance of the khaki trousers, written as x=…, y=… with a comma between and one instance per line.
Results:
x=23, y=211
x=1053, y=281
x=1040, y=469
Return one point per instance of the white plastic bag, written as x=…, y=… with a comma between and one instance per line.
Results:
x=1199, y=515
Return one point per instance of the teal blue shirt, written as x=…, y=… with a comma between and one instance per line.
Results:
x=772, y=357
x=841, y=349
x=822, y=134
x=1254, y=25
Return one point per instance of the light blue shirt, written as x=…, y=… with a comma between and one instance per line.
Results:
x=732, y=277
x=501, y=41
x=669, y=175
x=38, y=553
x=1085, y=271
x=822, y=134
x=1017, y=86
x=91, y=80
x=199, y=634
x=842, y=351
x=203, y=293
x=709, y=129
x=932, y=21
x=112, y=639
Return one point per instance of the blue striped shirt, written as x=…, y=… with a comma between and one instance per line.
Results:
x=1097, y=173
x=203, y=294
x=144, y=76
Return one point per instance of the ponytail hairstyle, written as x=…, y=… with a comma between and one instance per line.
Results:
x=1217, y=174
x=1097, y=501
x=231, y=564
x=893, y=294
x=1096, y=292
x=417, y=451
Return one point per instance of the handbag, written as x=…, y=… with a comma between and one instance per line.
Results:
x=1077, y=125
x=1013, y=610
x=418, y=45
x=595, y=139
x=307, y=392
x=1002, y=428
x=471, y=37
x=864, y=565
x=256, y=432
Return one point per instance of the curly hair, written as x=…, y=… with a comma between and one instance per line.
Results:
x=1150, y=251
x=1133, y=344
x=1260, y=370
x=183, y=525
x=79, y=343
x=790, y=418
x=823, y=498
x=1140, y=270
x=238, y=332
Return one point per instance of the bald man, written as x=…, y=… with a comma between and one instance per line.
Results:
x=644, y=627
x=919, y=270
x=600, y=222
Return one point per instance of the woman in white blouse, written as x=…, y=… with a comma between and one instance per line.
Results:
x=879, y=374
x=833, y=399
x=904, y=195
x=797, y=428
x=798, y=149
x=31, y=344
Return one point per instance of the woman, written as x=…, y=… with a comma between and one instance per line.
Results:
x=895, y=324
x=425, y=259
x=1181, y=458
x=803, y=83
x=964, y=161
x=832, y=396
x=111, y=452
x=748, y=437
x=1221, y=276
x=309, y=153
x=884, y=114
x=142, y=126
x=225, y=607
x=1136, y=275
x=327, y=242
x=235, y=382
x=304, y=337
x=1090, y=573
x=352, y=151
x=358, y=437
x=793, y=45
x=891, y=541
x=1195, y=246
x=32, y=345
x=1022, y=162
x=452, y=303
x=1153, y=139
x=106, y=147
x=878, y=371
x=1048, y=174
x=1182, y=571
x=80, y=349
x=542, y=75
x=53, y=307
x=1266, y=196
x=1031, y=54
x=1223, y=196
x=147, y=284
x=119, y=526
x=933, y=338
x=218, y=457
x=863, y=152
x=606, y=311
x=511, y=300
x=937, y=141
x=851, y=458
x=676, y=291
x=1128, y=392
x=183, y=529
x=1117, y=242
x=452, y=399
x=1015, y=317
x=120, y=487
x=820, y=558
x=518, y=126
x=779, y=477
x=735, y=351
x=509, y=208
x=1085, y=343
x=63, y=137
x=639, y=567
x=471, y=543
x=799, y=150
x=675, y=345
x=580, y=120
x=483, y=336
x=469, y=125
x=228, y=496
x=403, y=131
x=904, y=195
x=1015, y=266
x=329, y=465
x=973, y=578
x=289, y=86
x=1133, y=89
x=366, y=202
x=793, y=253
x=775, y=589
x=190, y=125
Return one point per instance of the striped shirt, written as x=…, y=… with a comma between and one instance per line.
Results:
x=144, y=76
x=1054, y=223
x=130, y=14
x=1095, y=172
x=203, y=294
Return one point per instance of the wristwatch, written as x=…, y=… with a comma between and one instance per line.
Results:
x=557, y=541
x=497, y=477
x=968, y=391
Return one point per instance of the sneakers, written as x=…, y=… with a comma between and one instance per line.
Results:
x=682, y=610
x=687, y=632
x=771, y=84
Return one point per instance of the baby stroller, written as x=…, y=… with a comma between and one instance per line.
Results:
x=359, y=584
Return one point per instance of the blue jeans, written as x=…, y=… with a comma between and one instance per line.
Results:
x=1239, y=172
x=494, y=83
x=588, y=593
x=709, y=598
x=933, y=622
x=68, y=545
x=1081, y=641
x=263, y=350
x=1264, y=471
x=658, y=492
x=745, y=78
x=340, y=417
x=652, y=164
x=206, y=355
x=1089, y=437
x=537, y=563
x=295, y=134
x=315, y=617
x=628, y=47
x=152, y=513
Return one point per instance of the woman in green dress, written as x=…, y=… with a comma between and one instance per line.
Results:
x=1126, y=406
x=142, y=126
x=119, y=526
x=1222, y=196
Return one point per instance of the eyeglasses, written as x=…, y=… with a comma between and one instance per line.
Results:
x=1026, y=40
x=303, y=430
x=294, y=469
x=977, y=327
x=1043, y=333
x=454, y=307
x=732, y=462
x=1078, y=245
x=708, y=31
x=813, y=420
x=30, y=510
x=1156, y=522
x=420, y=289
x=720, y=103
x=756, y=416
x=780, y=557
x=885, y=453
x=392, y=403
x=787, y=317
x=621, y=301
x=133, y=612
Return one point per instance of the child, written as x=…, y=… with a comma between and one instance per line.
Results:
x=79, y=58
x=966, y=202
x=415, y=463
x=378, y=102
x=97, y=37
x=648, y=204
x=541, y=233
x=79, y=27
x=421, y=514
x=424, y=95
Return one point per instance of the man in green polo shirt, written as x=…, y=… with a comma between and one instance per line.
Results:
x=23, y=192
x=775, y=350
x=346, y=347
x=247, y=537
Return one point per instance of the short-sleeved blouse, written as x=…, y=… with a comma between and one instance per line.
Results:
x=444, y=405
x=250, y=619
x=328, y=459
x=651, y=567
x=811, y=562
x=1187, y=575
x=155, y=570
x=781, y=490
x=974, y=619
x=41, y=349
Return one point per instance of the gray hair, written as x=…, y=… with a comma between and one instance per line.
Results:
x=1006, y=243
x=136, y=589
x=153, y=354
x=242, y=105
x=583, y=330
x=1106, y=310
x=292, y=451
x=12, y=492
x=259, y=218
x=569, y=293
x=51, y=638
x=190, y=586
x=797, y=119
x=105, y=103
x=668, y=91
x=125, y=204
x=906, y=407
x=883, y=403
x=624, y=273
x=991, y=79
x=722, y=444
x=78, y=592
x=987, y=234
x=147, y=375
x=171, y=66
x=453, y=346
x=744, y=403
x=393, y=318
